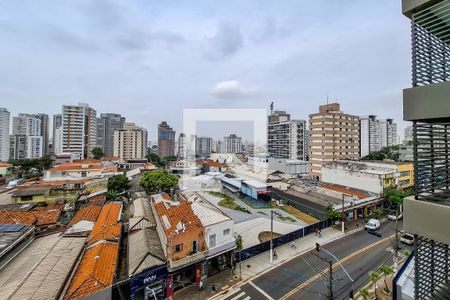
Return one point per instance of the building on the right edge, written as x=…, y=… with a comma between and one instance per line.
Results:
x=333, y=135
x=427, y=105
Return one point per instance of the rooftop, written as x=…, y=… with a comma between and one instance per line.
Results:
x=205, y=211
x=107, y=226
x=95, y=271
x=176, y=216
x=87, y=213
x=30, y=191
x=144, y=251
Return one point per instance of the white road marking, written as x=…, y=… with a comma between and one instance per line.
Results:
x=238, y=296
x=260, y=290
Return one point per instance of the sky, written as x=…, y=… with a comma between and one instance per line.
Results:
x=148, y=60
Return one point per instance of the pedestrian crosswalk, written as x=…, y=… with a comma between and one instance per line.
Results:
x=236, y=294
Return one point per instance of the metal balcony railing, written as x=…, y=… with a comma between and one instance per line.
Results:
x=431, y=44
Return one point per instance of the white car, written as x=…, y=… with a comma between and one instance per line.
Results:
x=407, y=239
x=393, y=218
x=373, y=224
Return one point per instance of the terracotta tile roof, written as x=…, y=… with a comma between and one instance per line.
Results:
x=37, y=218
x=345, y=190
x=5, y=165
x=75, y=167
x=210, y=163
x=46, y=217
x=88, y=161
x=49, y=206
x=17, y=217
x=95, y=271
x=107, y=226
x=178, y=214
x=87, y=213
x=97, y=200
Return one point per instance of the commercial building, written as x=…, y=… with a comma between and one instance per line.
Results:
x=27, y=139
x=286, y=138
x=130, y=142
x=79, y=123
x=166, y=140
x=4, y=134
x=107, y=123
x=334, y=135
x=427, y=105
x=374, y=177
x=232, y=144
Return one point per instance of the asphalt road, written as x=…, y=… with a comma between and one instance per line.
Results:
x=288, y=278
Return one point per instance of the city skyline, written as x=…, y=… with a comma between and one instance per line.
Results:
x=223, y=58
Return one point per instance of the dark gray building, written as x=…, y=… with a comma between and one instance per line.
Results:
x=106, y=125
x=427, y=105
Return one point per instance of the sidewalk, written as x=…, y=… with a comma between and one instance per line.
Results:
x=255, y=266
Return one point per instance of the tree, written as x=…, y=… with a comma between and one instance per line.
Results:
x=386, y=271
x=377, y=212
x=154, y=159
x=364, y=294
x=45, y=162
x=97, y=153
x=158, y=181
x=112, y=194
x=374, y=277
x=118, y=183
x=395, y=197
x=332, y=215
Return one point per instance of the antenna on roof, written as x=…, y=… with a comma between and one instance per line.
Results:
x=327, y=97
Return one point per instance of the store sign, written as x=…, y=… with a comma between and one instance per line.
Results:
x=148, y=277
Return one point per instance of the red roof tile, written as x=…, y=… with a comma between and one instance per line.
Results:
x=87, y=213
x=95, y=271
x=107, y=226
x=17, y=217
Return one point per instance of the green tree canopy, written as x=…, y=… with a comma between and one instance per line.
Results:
x=332, y=214
x=40, y=164
x=395, y=197
x=390, y=152
x=386, y=271
x=97, y=153
x=118, y=183
x=158, y=181
x=154, y=159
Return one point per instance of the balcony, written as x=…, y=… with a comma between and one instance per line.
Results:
x=186, y=261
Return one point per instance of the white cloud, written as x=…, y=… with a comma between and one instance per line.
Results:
x=231, y=89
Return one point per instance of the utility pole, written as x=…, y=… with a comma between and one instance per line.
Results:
x=396, y=240
x=271, y=233
x=330, y=284
x=342, y=214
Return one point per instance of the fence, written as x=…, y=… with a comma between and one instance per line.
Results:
x=279, y=241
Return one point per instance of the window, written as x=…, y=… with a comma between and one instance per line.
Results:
x=179, y=248
x=194, y=246
x=226, y=231
x=212, y=240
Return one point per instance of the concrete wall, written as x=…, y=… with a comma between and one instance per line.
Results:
x=370, y=183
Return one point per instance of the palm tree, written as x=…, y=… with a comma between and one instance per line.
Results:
x=386, y=271
x=374, y=277
x=364, y=294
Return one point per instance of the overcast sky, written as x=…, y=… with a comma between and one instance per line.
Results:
x=150, y=59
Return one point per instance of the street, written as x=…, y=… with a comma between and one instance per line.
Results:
x=301, y=278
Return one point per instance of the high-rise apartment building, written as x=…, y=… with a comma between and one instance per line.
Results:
x=79, y=123
x=427, y=105
x=57, y=124
x=408, y=134
x=333, y=135
x=166, y=140
x=26, y=139
x=4, y=134
x=286, y=138
x=44, y=133
x=376, y=134
x=203, y=146
x=107, y=123
x=130, y=142
x=181, y=147
x=232, y=144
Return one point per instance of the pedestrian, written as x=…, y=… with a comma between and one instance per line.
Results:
x=200, y=285
x=318, y=230
x=293, y=245
x=275, y=255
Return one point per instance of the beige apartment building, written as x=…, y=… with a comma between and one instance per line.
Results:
x=334, y=135
x=130, y=142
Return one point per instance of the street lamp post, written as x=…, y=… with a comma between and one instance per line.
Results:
x=271, y=233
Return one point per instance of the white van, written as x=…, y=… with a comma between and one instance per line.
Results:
x=373, y=224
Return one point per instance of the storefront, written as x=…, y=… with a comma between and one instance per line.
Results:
x=150, y=284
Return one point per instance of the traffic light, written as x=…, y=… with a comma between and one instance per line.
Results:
x=317, y=247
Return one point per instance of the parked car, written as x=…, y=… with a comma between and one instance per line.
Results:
x=372, y=224
x=392, y=217
x=407, y=239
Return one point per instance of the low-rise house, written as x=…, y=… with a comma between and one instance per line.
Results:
x=79, y=169
x=108, y=226
x=41, y=269
x=208, y=165
x=5, y=169
x=142, y=215
x=182, y=236
x=95, y=272
x=374, y=177
x=42, y=220
x=219, y=234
